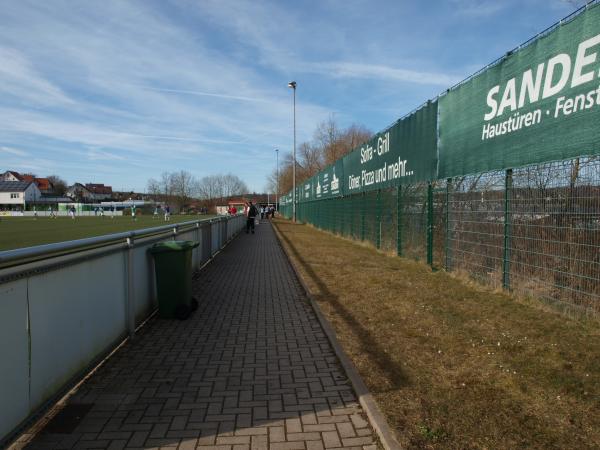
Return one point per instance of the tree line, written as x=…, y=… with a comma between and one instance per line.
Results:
x=330, y=142
x=181, y=187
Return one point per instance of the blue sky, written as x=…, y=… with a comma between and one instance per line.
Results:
x=119, y=91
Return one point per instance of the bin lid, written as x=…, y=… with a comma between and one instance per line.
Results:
x=173, y=246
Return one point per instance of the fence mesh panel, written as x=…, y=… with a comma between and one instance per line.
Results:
x=413, y=219
x=534, y=230
x=555, y=232
x=476, y=226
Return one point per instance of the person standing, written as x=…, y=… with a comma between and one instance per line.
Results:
x=167, y=213
x=251, y=217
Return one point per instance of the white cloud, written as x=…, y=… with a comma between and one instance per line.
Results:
x=100, y=155
x=379, y=72
x=13, y=151
x=478, y=8
x=21, y=81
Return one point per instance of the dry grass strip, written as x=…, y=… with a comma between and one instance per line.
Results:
x=452, y=365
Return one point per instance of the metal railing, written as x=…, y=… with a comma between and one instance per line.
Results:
x=65, y=306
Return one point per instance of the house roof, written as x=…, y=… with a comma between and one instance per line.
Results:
x=42, y=183
x=99, y=188
x=14, y=186
x=17, y=175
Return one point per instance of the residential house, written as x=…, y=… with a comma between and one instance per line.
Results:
x=99, y=191
x=11, y=175
x=14, y=195
x=43, y=184
x=80, y=193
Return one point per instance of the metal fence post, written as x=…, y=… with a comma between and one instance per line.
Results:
x=448, y=228
x=362, y=216
x=399, y=220
x=378, y=238
x=350, y=215
x=430, y=224
x=130, y=306
x=507, y=230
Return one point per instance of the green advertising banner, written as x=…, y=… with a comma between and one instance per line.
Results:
x=307, y=190
x=404, y=153
x=328, y=182
x=541, y=103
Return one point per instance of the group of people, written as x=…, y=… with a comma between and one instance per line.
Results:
x=266, y=211
x=166, y=210
x=251, y=212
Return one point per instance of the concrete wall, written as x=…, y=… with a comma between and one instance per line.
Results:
x=60, y=315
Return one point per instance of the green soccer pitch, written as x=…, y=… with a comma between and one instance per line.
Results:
x=18, y=232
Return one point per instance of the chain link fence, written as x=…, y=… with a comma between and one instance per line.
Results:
x=533, y=230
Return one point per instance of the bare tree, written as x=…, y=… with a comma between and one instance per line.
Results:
x=327, y=136
x=312, y=159
x=182, y=184
x=166, y=184
x=58, y=184
x=232, y=185
x=210, y=188
x=153, y=187
x=218, y=187
x=330, y=143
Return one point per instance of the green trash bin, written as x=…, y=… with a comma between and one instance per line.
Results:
x=173, y=268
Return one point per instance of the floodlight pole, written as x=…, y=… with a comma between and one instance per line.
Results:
x=292, y=84
x=277, y=183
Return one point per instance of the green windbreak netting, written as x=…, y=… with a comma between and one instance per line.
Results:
x=405, y=152
x=541, y=103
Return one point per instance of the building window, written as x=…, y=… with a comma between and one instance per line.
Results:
x=14, y=195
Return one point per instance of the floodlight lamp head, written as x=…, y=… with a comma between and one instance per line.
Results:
x=292, y=84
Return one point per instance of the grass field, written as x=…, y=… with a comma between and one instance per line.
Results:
x=17, y=232
x=452, y=365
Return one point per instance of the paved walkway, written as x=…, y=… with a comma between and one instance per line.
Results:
x=251, y=369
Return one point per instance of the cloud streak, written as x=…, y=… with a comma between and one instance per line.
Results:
x=13, y=151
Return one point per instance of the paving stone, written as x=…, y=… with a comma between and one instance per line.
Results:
x=315, y=445
x=303, y=436
x=293, y=426
x=331, y=439
x=259, y=442
x=287, y=446
x=345, y=430
x=358, y=421
x=138, y=439
x=357, y=441
x=320, y=427
x=277, y=434
x=188, y=444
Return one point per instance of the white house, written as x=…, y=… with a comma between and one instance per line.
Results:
x=10, y=175
x=16, y=194
x=80, y=193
